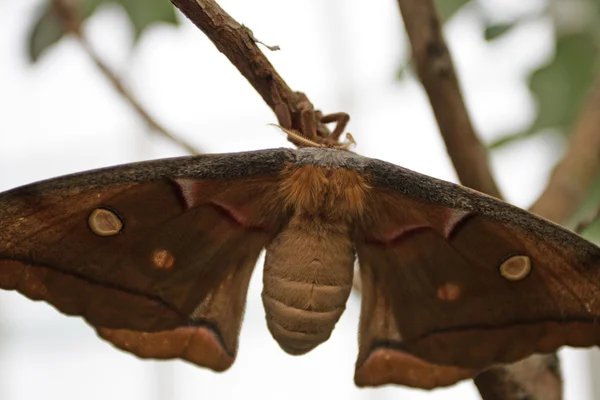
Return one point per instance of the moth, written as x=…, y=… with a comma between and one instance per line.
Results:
x=157, y=256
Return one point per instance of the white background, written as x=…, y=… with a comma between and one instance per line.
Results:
x=62, y=116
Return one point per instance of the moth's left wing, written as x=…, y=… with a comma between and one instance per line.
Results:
x=455, y=281
x=156, y=255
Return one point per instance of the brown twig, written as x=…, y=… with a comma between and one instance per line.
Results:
x=238, y=44
x=575, y=174
x=537, y=377
x=118, y=85
x=67, y=14
x=434, y=66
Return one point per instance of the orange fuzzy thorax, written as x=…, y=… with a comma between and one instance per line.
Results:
x=333, y=193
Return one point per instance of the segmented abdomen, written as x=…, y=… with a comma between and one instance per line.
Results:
x=307, y=281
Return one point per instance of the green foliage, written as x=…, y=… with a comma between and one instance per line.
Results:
x=47, y=30
x=144, y=13
x=447, y=8
x=588, y=210
x=560, y=86
x=405, y=69
x=495, y=31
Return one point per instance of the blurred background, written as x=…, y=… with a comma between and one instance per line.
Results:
x=525, y=68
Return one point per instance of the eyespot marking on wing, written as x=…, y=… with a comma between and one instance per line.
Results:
x=516, y=268
x=105, y=222
x=449, y=291
x=163, y=259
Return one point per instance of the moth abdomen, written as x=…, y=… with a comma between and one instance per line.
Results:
x=307, y=281
x=298, y=330
x=302, y=314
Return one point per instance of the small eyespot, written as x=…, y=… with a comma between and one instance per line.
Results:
x=163, y=259
x=105, y=222
x=449, y=292
x=516, y=268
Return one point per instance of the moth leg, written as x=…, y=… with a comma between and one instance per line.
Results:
x=304, y=120
x=308, y=120
x=341, y=119
x=310, y=116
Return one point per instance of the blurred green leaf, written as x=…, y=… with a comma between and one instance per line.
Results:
x=47, y=29
x=513, y=137
x=560, y=86
x=144, y=13
x=586, y=211
x=495, y=31
x=592, y=233
x=89, y=7
x=404, y=70
x=597, y=3
x=447, y=8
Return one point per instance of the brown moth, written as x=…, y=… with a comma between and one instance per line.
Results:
x=157, y=256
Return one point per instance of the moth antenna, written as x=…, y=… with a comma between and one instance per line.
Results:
x=298, y=137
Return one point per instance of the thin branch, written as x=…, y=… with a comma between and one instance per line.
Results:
x=238, y=44
x=436, y=71
x=573, y=177
x=537, y=377
x=66, y=12
x=128, y=96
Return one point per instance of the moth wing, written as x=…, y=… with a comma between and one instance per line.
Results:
x=460, y=281
x=150, y=253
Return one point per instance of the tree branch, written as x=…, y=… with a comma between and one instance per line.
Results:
x=537, y=377
x=434, y=66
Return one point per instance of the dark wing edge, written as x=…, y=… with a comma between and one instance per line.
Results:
x=437, y=308
x=172, y=280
